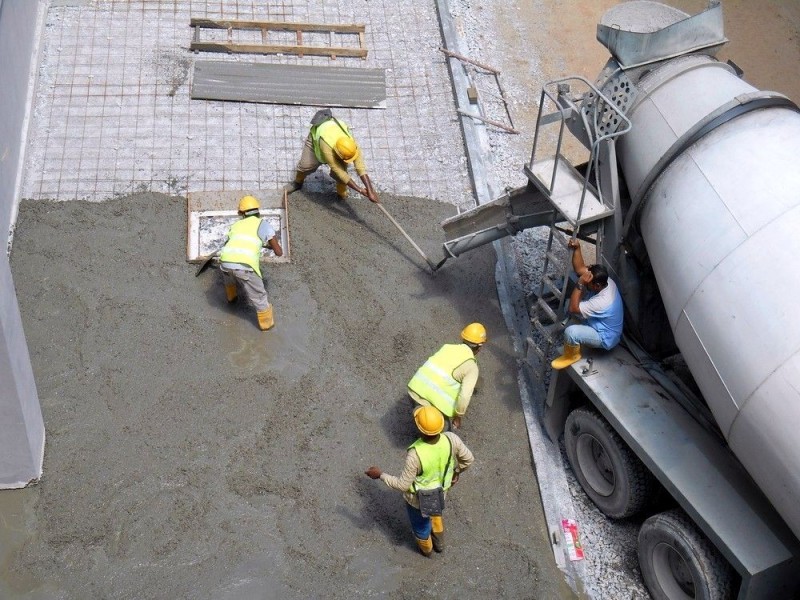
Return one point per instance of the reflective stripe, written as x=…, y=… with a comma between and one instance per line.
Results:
x=433, y=459
x=444, y=401
x=243, y=245
x=434, y=380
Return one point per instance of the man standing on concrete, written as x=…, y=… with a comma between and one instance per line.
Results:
x=448, y=378
x=240, y=259
x=330, y=142
x=602, y=311
x=433, y=461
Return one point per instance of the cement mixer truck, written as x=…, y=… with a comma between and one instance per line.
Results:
x=683, y=178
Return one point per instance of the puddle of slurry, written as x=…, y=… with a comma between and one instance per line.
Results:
x=284, y=348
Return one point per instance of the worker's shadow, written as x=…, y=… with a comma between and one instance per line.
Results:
x=398, y=422
x=215, y=291
x=381, y=508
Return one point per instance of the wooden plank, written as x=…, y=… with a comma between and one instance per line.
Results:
x=463, y=58
x=277, y=25
x=497, y=124
x=277, y=49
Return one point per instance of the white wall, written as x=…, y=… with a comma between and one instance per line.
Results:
x=21, y=425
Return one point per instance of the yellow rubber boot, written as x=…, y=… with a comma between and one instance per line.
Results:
x=341, y=189
x=425, y=546
x=265, y=319
x=572, y=354
x=437, y=535
x=230, y=291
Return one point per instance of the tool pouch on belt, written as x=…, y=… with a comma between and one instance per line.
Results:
x=431, y=502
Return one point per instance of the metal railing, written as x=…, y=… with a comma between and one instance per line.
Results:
x=591, y=102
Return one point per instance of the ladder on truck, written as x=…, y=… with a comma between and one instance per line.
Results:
x=579, y=196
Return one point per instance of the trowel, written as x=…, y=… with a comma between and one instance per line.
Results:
x=206, y=263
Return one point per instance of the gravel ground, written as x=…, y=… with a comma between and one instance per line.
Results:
x=531, y=43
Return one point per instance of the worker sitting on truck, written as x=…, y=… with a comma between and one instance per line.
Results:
x=447, y=380
x=601, y=311
x=240, y=258
x=330, y=142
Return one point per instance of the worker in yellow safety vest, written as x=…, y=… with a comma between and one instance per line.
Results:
x=240, y=257
x=447, y=380
x=330, y=143
x=432, y=461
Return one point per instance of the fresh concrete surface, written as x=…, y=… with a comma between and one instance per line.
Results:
x=191, y=455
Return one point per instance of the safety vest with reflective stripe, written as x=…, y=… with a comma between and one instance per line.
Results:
x=434, y=459
x=434, y=380
x=330, y=131
x=244, y=245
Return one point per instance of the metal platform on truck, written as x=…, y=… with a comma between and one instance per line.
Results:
x=692, y=463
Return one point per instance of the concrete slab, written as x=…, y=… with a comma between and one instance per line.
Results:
x=289, y=84
x=192, y=455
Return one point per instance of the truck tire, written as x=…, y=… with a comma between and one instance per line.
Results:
x=679, y=563
x=610, y=474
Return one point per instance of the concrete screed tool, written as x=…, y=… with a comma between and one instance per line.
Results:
x=431, y=264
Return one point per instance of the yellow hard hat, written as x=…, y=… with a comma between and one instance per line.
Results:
x=248, y=203
x=474, y=333
x=429, y=420
x=346, y=148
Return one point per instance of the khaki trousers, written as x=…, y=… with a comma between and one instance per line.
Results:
x=252, y=285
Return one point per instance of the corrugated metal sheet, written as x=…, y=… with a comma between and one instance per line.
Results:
x=289, y=84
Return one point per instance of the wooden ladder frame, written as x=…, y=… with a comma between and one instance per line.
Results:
x=266, y=48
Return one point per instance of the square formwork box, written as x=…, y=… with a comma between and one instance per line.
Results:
x=210, y=215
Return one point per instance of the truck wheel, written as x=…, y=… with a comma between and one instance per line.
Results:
x=679, y=563
x=610, y=474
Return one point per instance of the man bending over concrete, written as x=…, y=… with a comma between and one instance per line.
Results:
x=240, y=259
x=330, y=143
x=448, y=378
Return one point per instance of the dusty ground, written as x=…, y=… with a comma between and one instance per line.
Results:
x=190, y=455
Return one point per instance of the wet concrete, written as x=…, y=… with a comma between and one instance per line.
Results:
x=190, y=455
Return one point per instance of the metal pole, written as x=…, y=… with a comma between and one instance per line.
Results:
x=489, y=121
x=431, y=264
